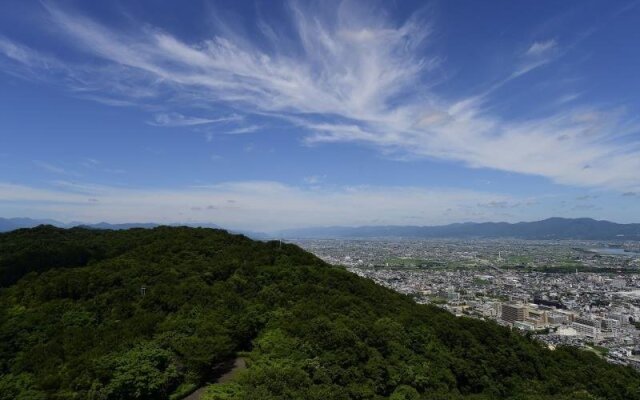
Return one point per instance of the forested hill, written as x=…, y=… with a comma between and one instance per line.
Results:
x=154, y=314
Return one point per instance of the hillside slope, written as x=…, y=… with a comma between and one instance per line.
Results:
x=153, y=314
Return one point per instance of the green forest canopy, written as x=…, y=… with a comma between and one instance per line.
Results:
x=76, y=324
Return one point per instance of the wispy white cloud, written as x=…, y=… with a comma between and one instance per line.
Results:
x=19, y=53
x=96, y=165
x=353, y=76
x=49, y=167
x=567, y=98
x=538, y=54
x=76, y=187
x=90, y=162
x=539, y=49
x=179, y=120
x=244, y=129
x=500, y=204
x=114, y=170
x=109, y=101
x=314, y=179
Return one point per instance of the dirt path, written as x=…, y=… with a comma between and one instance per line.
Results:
x=238, y=365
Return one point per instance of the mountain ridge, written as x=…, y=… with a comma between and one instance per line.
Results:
x=554, y=228
x=550, y=228
x=11, y=224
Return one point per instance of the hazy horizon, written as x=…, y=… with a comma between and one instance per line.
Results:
x=289, y=230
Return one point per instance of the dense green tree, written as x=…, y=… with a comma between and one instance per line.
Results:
x=153, y=314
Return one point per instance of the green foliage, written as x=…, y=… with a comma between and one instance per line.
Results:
x=227, y=391
x=144, y=372
x=183, y=391
x=74, y=324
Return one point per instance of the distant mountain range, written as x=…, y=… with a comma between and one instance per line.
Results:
x=10, y=224
x=552, y=228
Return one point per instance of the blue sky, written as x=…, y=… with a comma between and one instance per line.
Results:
x=267, y=115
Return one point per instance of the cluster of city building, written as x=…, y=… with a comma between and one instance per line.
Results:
x=514, y=284
x=457, y=253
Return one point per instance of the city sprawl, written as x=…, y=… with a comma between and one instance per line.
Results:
x=577, y=293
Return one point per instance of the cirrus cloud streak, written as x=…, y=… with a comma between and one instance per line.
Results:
x=351, y=76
